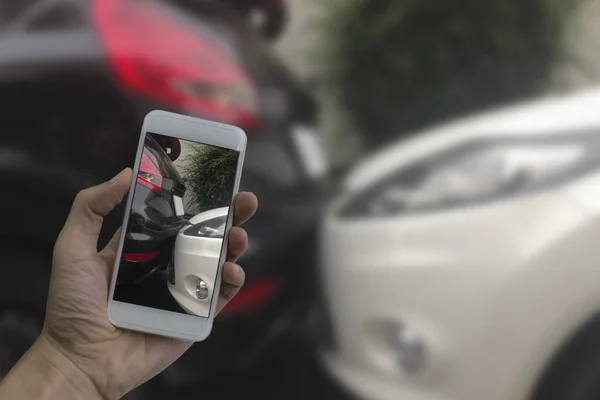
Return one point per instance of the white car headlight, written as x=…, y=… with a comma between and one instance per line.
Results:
x=477, y=172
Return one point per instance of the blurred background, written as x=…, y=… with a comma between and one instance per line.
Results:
x=428, y=175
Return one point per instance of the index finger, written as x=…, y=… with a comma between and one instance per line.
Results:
x=246, y=205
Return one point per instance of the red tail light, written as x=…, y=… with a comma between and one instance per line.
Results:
x=149, y=175
x=161, y=55
x=253, y=295
x=140, y=257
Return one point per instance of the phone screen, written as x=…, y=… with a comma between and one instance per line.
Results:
x=176, y=225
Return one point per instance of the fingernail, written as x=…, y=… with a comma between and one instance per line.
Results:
x=238, y=269
x=116, y=177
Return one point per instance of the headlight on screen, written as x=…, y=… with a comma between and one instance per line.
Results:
x=477, y=172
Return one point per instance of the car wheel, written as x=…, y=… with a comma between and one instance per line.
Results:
x=575, y=373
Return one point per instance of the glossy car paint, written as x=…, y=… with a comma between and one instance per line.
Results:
x=196, y=256
x=495, y=290
x=153, y=222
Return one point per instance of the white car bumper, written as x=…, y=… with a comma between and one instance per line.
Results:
x=483, y=286
x=195, y=258
x=365, y=384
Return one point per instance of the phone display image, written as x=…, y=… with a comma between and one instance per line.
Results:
x=176, y=226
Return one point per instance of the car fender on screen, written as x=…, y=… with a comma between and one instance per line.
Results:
x=193, y=272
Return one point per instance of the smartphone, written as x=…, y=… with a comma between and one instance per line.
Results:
x=172, y=248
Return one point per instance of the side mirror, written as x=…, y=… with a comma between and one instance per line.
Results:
x=175, y=149
x=172, y=147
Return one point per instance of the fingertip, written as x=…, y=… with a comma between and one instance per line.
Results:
x=238, y=239
x=246, y=205
x=238, y=270
x=126, y=176
x=233, y=274
x=118, y=176
x=251, y=199
x=123, y=181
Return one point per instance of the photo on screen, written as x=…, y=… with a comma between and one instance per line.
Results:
x=175, y=231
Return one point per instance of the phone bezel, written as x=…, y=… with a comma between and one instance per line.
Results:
x=162, y=322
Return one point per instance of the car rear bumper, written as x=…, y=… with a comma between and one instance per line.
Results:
x=136, y=271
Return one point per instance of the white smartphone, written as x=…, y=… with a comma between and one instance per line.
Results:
x=167, y=273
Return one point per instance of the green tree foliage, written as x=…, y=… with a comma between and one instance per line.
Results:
x=399, y=65
x=210, y=175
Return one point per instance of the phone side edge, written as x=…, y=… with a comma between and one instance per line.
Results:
x=124, y=223
x=242, y=150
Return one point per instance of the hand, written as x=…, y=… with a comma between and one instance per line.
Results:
x=114, y=361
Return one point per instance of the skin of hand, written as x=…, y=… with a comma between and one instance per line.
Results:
x=80, y=354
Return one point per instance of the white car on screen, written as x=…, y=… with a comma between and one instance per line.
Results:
x=193, y=272
x=464, y=263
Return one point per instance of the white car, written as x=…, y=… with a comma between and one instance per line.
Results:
x=464, y=263
x=193, y=272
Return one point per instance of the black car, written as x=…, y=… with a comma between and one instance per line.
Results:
x=157, y=215
x=77, y=78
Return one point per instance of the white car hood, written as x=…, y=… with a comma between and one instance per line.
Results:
x=217, y=212
x=548, y=116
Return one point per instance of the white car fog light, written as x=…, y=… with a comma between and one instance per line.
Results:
x=201, y=289
x=398, y=347
x=411, y=350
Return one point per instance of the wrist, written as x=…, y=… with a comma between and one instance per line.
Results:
x=46, y=373
x=67, y=373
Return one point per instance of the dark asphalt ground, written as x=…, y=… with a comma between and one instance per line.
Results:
x=288, y=371
x=152, y=292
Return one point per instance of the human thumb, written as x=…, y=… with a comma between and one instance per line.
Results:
x=89, y=209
